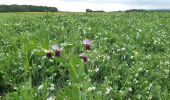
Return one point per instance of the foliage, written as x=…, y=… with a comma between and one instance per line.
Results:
x=26, y=8
x=129, y=56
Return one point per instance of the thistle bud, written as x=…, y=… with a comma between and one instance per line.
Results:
x=87, y=44
x=48, y=53
x=57, y=50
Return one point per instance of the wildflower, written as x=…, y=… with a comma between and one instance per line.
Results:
x=91, y=88
x=123, y=49
x=51, y=98
x=57, y=50
x=48, y=53
x=15, y=88
x=97, y=69
x=87, y=44
x=130, y=89
x=84, y=57
x=52, y=87
x=108, y=90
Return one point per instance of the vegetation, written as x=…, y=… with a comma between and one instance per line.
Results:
x=26, y=8
x=85, y=56
x=89, y=10
x=148, y=10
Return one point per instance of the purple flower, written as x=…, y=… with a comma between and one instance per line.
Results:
x=87, y=44
x=84, y=57
x=57, y=50
x=48, y=53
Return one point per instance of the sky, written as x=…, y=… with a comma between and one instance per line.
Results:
x=106, y=5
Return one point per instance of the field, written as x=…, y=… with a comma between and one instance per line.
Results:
x=43, y=57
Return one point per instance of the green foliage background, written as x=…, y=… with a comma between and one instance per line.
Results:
x=130, y=49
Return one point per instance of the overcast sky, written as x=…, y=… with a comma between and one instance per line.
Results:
x=106, y=5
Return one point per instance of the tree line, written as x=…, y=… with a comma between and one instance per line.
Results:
x=26, y=8
x=134, y=10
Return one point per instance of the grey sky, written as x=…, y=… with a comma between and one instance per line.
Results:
x=107, y=5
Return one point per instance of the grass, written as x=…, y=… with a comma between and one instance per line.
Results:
x=129, y=58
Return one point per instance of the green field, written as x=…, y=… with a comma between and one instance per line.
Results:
x=129, y=57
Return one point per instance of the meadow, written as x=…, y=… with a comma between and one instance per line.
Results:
x=85, y=56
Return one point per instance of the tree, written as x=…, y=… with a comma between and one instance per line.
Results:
x=26, y=8
x=88, y=10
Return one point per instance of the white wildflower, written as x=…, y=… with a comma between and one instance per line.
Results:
x=90, y=71
x=123, y=49
x=130, y=89
x=91, y=88
x=108, y=90
x=131, y=57
x=51, y=98
x=51, y=60
x=52, y=87
x=97, y=69
x=136, y=75
x=15, y=88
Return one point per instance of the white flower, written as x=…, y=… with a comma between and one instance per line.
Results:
x=52, y=87
x=69, y=83
x=135, y=80
x=97, y=69
x=130, y=89
x=91, y=88
x=123, y=49
x=90, y=71
x=166, y=71
x=15, y=88
x=108, y=90
x=136, y=75
x=51, y=60
x=167, y=63
x=51, y=98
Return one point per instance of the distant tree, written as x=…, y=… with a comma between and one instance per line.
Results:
x=98, y=11
x=88, y=10
x=26, y=8
x=136, y=10
x=147, y=10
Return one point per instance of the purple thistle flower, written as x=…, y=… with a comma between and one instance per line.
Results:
x=57, y=50
x=87, y=44
x=84, y=57
x=48, y=53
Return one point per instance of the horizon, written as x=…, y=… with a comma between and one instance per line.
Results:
x=82, y=5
